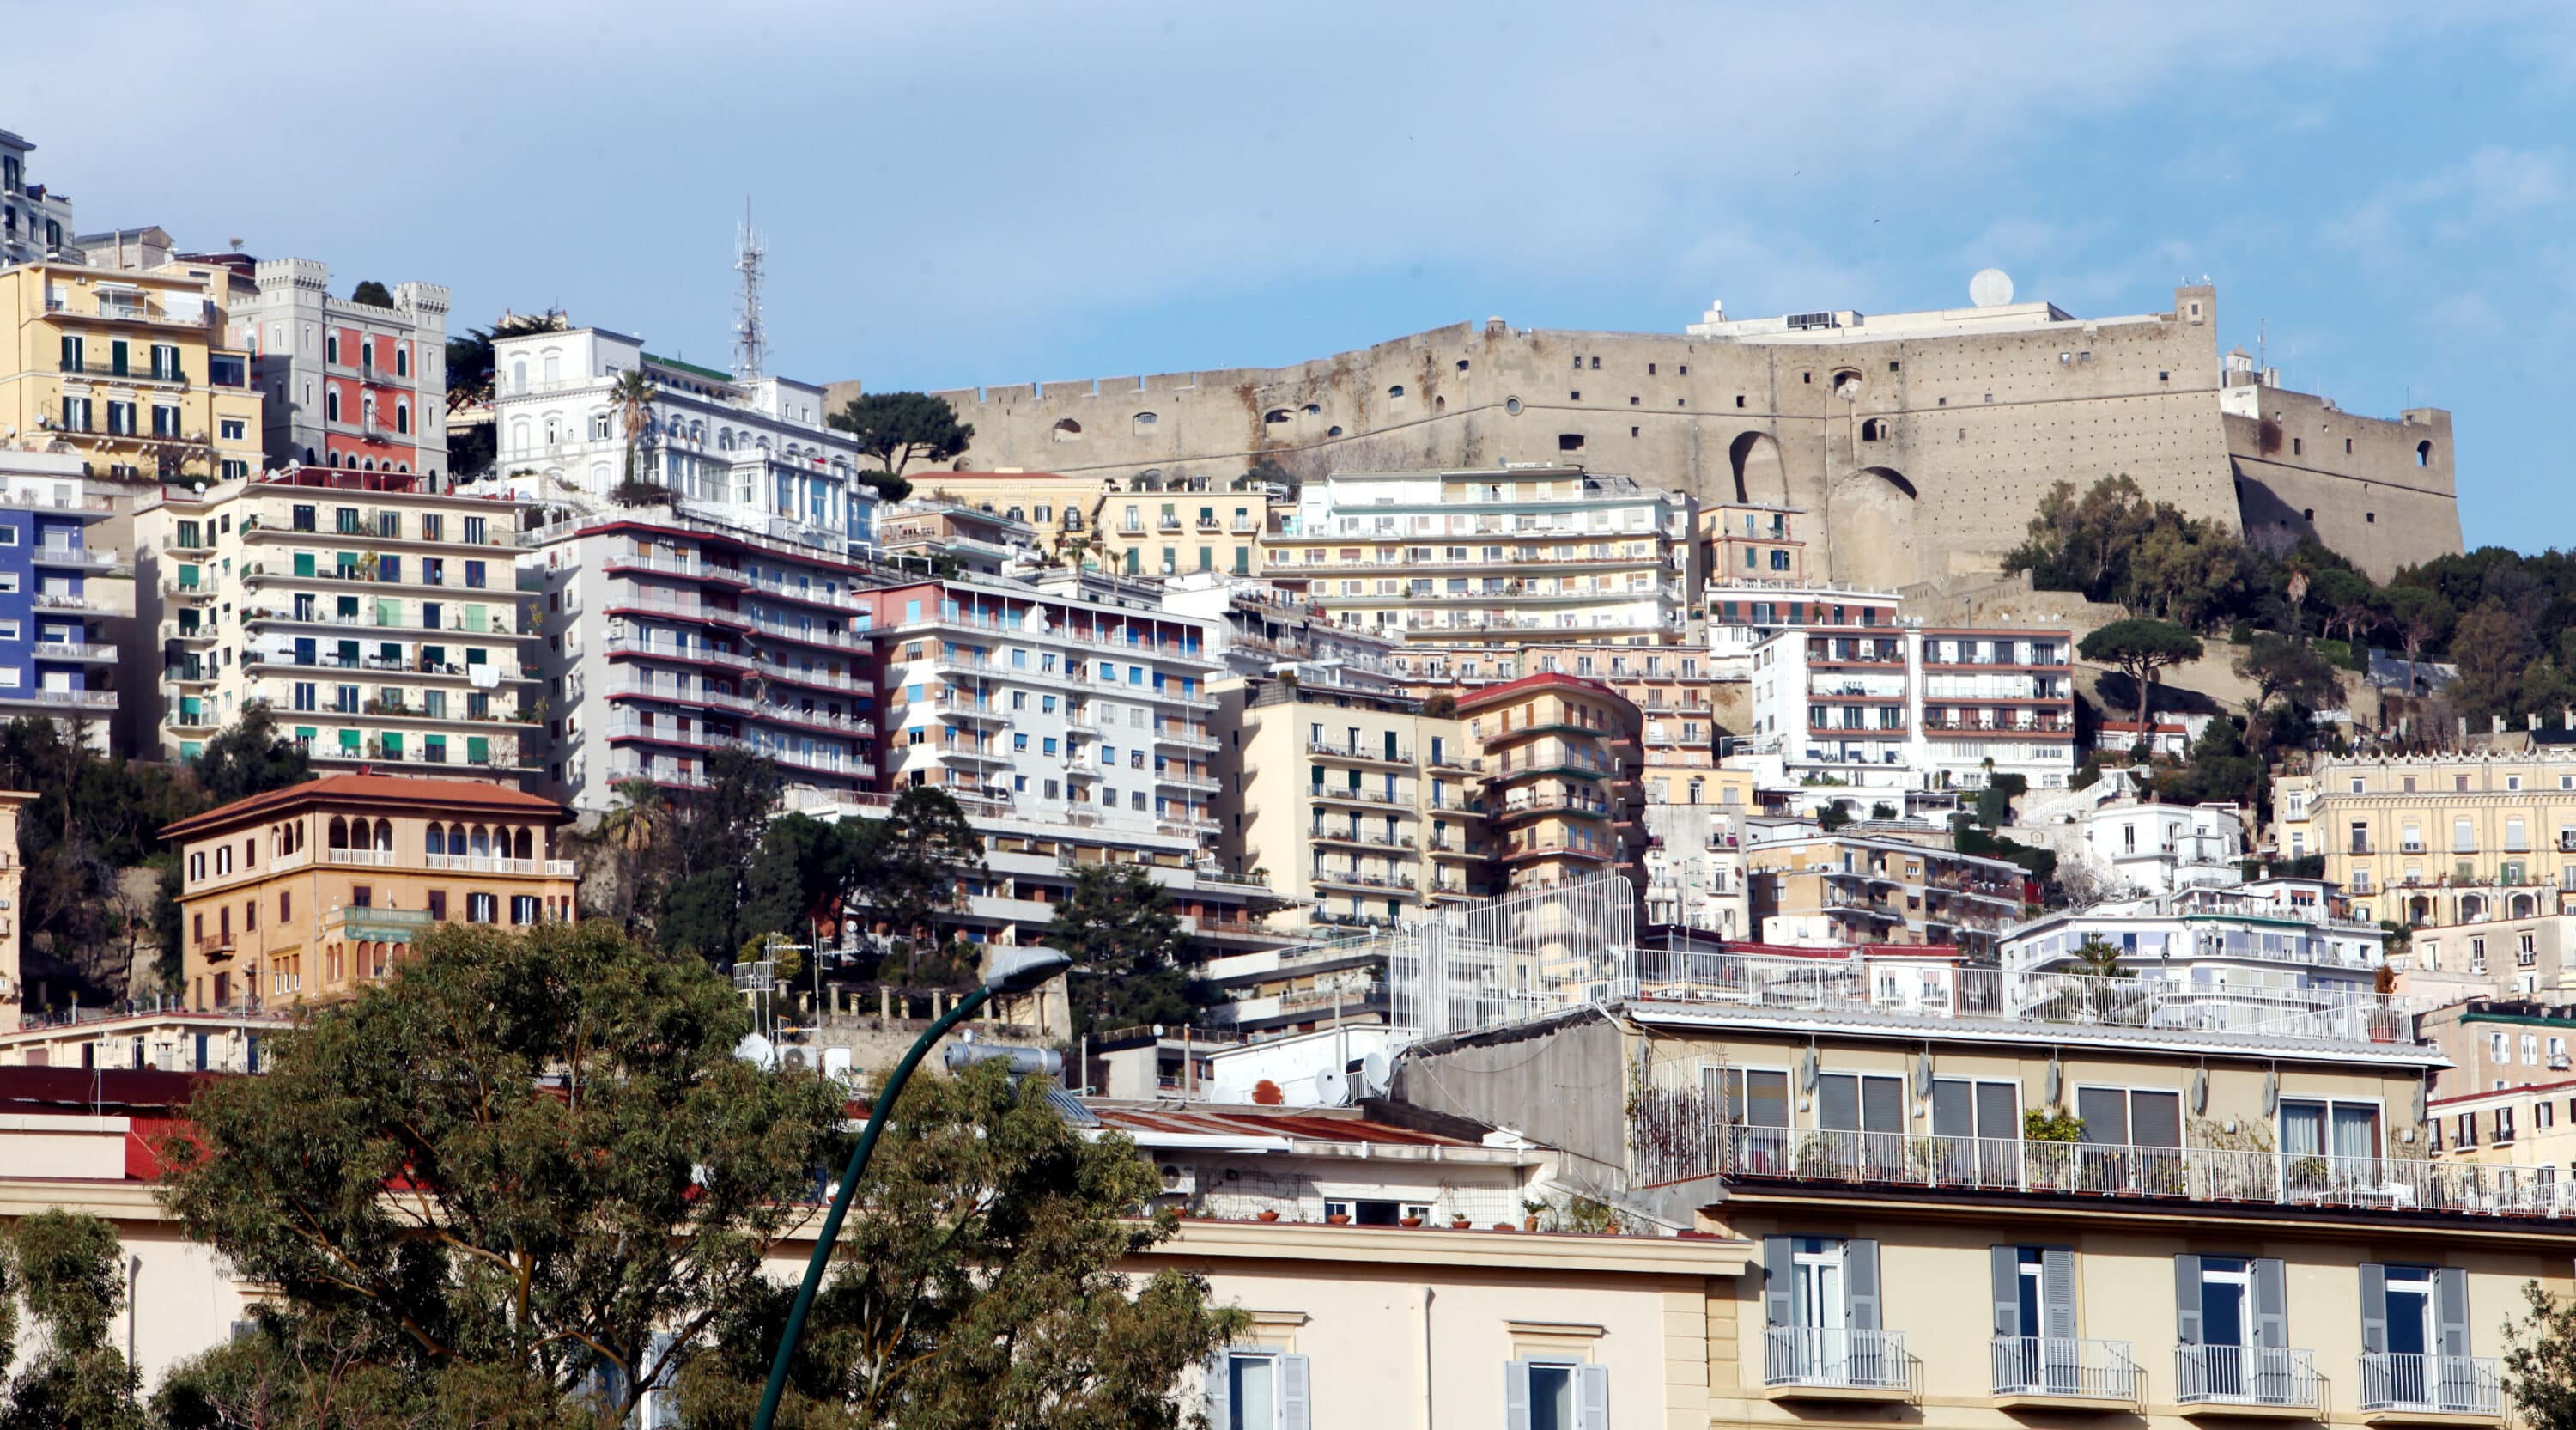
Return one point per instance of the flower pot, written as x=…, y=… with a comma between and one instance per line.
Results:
x=1268, y=1215
x=1458, y=1222
x=1528, y=1223
x=1412, y=1221
x=1506, y=1226
x=1338, y=1219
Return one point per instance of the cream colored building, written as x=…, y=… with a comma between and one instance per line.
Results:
x=2432, y=840
x=13, y=985
x=1811, y=888
x=1561, y=762
x=378, y=620
x=1140, y=524
x=134, y=371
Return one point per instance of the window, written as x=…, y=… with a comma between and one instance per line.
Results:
x=1820, y=1307
x=2410, y=1315
x=2231, y=1320
x=1258, y=1389
x=2034, y=1299
x=1556, y=1395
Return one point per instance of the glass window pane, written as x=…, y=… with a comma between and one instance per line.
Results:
x=2105, y=1113
x=2156, y=1119
x=1552, y=1397
x=1252, y=1393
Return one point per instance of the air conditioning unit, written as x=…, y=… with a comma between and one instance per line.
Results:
x=1180, y=1179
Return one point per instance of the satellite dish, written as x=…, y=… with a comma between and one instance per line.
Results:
x=1991, y=288
x=1332, y=1088
x=1375, y=1075
x=757, y=1051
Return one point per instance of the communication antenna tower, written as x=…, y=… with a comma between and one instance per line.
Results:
x=749, y=341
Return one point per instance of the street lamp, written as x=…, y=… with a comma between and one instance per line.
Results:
x=1015, y=971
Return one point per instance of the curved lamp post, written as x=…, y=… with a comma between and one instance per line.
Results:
x=1016, y=971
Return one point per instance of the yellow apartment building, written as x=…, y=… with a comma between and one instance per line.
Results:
x=2434, y=840
x=1561, y=764
x=1361, y=808
x=1145, y=525
x=1838, y=888
x=313, y=891
x=133, y=371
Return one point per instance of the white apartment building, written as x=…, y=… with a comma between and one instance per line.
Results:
x=2281, y=936
x=754, y=453
x=1911, y=708
x=1492, y=558
x=668, y=637
x=1257, y=629
x=35, y=222
x=2154, y=849
x=381, y=622
x=344, y=383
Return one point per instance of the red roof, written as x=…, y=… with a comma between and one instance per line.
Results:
x=1545, y=678
x=1206, y=1121
x=376, y=794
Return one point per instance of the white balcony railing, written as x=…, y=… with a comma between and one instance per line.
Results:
x=2065, y=1367
x=2450, y=1385
x=2247, y=1375
x=1835, y=1358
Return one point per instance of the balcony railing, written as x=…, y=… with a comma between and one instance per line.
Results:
x=2065, y=1367
x=2442, y=1384
x=1835, y=1358
x=2247, y=1375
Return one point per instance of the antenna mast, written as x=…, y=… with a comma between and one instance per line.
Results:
x=749, y=342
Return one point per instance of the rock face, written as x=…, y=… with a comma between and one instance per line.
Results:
x=1923, y=440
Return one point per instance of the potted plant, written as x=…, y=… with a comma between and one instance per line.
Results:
x=1458, y=1222
x=1412, y=1221
x=1338, y=1219
x=1267, y=1214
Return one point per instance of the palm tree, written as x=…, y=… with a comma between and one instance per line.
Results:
x=633, y=393
x=629, y=831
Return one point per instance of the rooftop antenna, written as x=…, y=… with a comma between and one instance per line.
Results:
x=749, y=342
x=2260, y=329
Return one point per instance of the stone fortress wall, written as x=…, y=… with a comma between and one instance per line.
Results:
x=1923, y=441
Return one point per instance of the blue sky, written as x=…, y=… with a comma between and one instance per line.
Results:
x=965, y=193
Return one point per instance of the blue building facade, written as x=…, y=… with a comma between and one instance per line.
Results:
x=55, y=658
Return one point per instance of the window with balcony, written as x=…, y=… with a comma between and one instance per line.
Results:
x=1821, y=1311
x=2415, y=1343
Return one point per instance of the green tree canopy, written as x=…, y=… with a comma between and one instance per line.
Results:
x=371, y=291
x=2291, y=671
x=981, y=1284
x=1119, y=928
x=250, y=756
x=68, y=1268
x=913, y=860
x=469, y=355
x=2139, y=647
x=901, y=428
x=526, y=1165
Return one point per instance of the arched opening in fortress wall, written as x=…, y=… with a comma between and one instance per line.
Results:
x=1759, y=475
x=1870, y=519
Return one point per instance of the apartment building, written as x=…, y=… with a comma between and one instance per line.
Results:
x=2438, y=839
x=1287, y=992
x=378, y=619
x=924, y=531
x=1915, y=708
x=1694, y=858
x=132, y=371
x=345, y=383
x=56, y=660
x=35, y=221
x=1560, y=769
x=756, y=453
x=1358, y=806
x=2251, y=1223
x=2497, y=1044
x=1259, y=629
x=2151, y=848
x=1758, y=586
x=2524, y=1131
x=1154, y=525
x=667, y=637
x=312, y=891
x=1493, y=559
x=2530, y=956
x=2288, y=934
x=1811, y=888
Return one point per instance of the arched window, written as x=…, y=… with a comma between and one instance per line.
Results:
x=402, y=417
x=520, y=845
x=1067, y=430
x=519, y=375
x=724, y=439
x=1332, y=431
x=2424, y=454
x=1395, y=393
x=339, y=832
x=519, y=434
x=402, y=359
x=1874, y=430
x=600, y=426
x=554, y=366
x=482, y=840
x=330, y=347
x=1143, y=420
x=330, y=403
x=554, y=429
x=437, y=840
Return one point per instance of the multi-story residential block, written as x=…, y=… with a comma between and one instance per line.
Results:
x=668, y=637
x=2499, y=1044
x=1493, y=559
x=2431, y=840
x=2279, y=934
x=35, y=222
x=1811, y=888
x=2154, y=849
x=1694, y=858
x=1911, y=709
x=1560, y=767
x=312, y=891
x=752, y=452
x=379, y=620
x=921, y=532
x=1259, y=630
x=1153, y=525
x=2531, y=956
x=1280, y=993
x=345, y=383
x=55, y=657
x=1355, y=804
x=2527, y=1131
x=129, y=370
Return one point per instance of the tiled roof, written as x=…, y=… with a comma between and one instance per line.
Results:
x=376, y=793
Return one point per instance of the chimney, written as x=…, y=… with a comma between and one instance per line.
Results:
x=2495, y=724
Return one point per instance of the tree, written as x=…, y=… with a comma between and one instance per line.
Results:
x=372, y=292
x=900, y=428
x=798, y=877
x=982, y=1284
x=2140, y=647
x=710, y=844
x=919, y=852
x=2290, y=670
x=1119, y=928
x=250, y=756
x=632, y=396
x=2421, y=617
x=422, y=1203
x=2345, y=598
x=2540, y=1361
x=2495, y=649
x=2098, y=958
x=470, y=375
x=2083, y=543
x=69, y=1269
x=2221, y=770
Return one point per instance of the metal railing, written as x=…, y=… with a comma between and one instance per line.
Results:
x=2453, y=1385
x=2064, y=1366
x=2246, y=1375
x=1835, y=1358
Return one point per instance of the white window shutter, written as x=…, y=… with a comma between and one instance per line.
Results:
x=1592, y=1397
x=1219, y=1389
x=1516, y=1395
x=1294, y=1395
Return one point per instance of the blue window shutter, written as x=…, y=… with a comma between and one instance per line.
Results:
x=1592, y=1397
x=1860, y=1280
x=2374, y=1308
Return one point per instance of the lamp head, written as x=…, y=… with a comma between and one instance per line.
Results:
x=1020, y=970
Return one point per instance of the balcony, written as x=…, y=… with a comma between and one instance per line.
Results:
x=85, y=558
x=74, y=650
x=2248, y=1382
x=1833, y=1363
x=2063, y=1373
x=67, y=699
x=2401, y=1389
x=496, y=864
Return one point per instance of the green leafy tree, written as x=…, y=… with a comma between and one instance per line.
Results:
x=69, y=1269
x=899, y=429
x=2082, y=543
x=2221, y=770
x=372, y=292
x=627, y=837
x=2185, y=571
x=422, y=1203
x=798, y=877
x=920, y=851
x=1119, y=928
x=2540, y=1362
x=2495, y=649
x=2421, y=617
x=2098, y=958
x=711, y=839
x=2140, y=647
x=250, y=756
x=983, y=1283
x=2291, y=671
